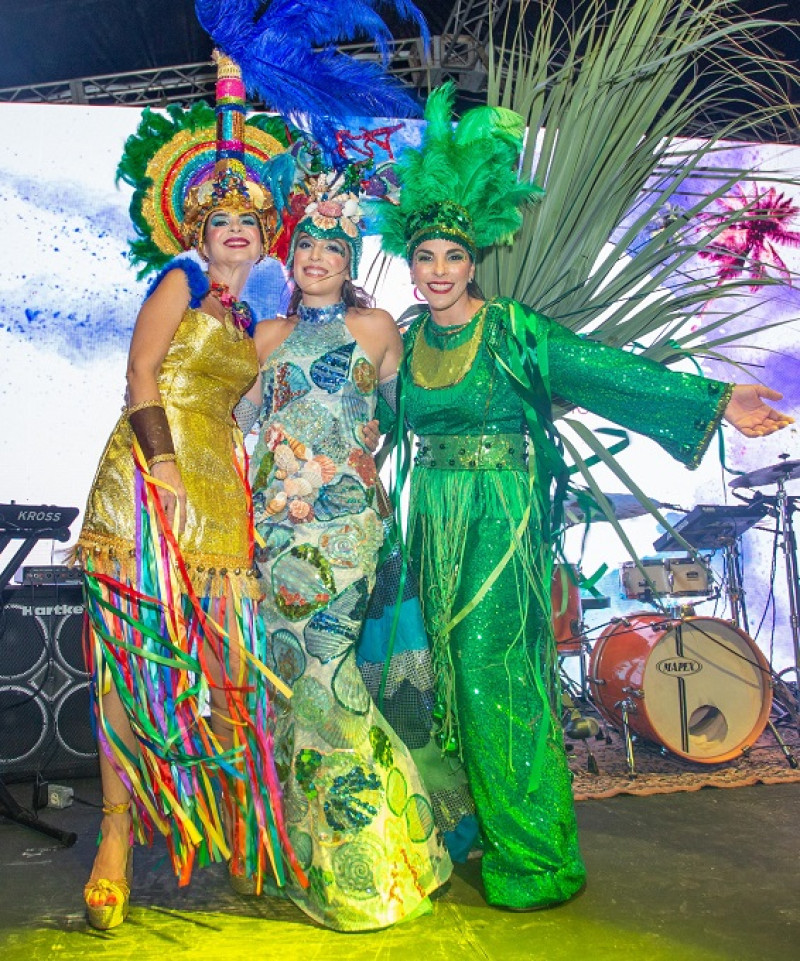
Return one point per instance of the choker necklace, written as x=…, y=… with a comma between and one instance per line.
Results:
x=241, y=314
x=319, y=316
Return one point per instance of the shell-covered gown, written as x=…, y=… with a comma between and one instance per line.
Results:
x=478, y=521
x=159, y=611
x=358, y=816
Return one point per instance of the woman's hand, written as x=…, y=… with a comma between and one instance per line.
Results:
x=750, y=415
x=371, y=435
x=174, y=495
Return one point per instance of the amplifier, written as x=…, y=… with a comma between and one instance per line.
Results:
x=60, y=574
x=45, y=700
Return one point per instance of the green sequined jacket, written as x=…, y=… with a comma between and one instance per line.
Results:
x=523, y=359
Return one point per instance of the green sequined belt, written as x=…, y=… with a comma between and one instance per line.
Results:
x=486, y=452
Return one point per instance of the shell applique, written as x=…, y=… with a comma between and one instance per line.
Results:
x=277, y=504
x=327, y=467
x=285, y=459
x=300, y=511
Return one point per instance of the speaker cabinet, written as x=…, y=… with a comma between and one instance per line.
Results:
x=45, y=723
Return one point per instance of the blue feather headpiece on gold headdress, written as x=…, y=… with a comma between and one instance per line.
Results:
x=287, y=55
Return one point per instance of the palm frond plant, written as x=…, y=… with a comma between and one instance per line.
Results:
x=612, y=250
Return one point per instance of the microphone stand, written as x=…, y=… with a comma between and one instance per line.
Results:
x=11, y=809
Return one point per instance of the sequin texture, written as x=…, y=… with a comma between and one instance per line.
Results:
x=485, y=586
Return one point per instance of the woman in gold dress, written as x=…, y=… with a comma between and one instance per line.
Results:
x=181, y=699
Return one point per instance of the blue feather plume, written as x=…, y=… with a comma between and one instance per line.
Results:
x=286, y=52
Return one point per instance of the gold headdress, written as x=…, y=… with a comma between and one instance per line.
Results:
x=191, y=162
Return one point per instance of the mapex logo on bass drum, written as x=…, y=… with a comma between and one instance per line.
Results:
x=679, y=666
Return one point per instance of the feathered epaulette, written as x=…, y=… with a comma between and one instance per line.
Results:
x=286, y=50
x=195, y=275
x=472, y=166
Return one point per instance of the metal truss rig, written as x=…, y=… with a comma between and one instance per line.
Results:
x=458, y=55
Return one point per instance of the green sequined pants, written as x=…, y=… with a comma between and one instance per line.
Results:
x=531, y=855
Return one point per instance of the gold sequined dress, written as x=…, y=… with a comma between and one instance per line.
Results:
x=161, y=610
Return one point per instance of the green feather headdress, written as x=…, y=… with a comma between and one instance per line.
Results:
x=462, y=183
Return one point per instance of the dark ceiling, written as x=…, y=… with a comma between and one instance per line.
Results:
x=45, y=41
x=53, y=40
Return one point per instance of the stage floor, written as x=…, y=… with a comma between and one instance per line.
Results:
x=706, y=876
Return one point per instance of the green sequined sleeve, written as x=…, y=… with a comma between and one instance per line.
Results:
x=680, y=411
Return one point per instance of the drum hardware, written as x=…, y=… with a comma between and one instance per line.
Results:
x=785, y=505
x=787, y=753
x=626, y=707
x=781, y=696
x=595, y=602
x=652, y=578
x=577, y=727
x=715, y=527
x=569, y=626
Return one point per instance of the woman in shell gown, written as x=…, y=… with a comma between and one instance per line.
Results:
x=358, y=816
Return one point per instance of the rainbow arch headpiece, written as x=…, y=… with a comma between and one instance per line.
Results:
x=191, y=162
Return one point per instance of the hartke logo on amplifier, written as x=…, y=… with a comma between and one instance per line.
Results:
x=45, y=723
x=48, y=610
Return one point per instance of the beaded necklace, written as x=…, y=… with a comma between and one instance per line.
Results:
x=241, y=314
x=319, y=316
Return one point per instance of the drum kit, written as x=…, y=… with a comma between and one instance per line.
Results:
x=697, y=687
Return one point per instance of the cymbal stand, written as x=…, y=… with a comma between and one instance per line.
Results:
x=734, y=586
x=785, y=505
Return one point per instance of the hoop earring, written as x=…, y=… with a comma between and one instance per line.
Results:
x=418, y=296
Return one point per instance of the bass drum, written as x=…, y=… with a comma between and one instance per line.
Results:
x=699, y=686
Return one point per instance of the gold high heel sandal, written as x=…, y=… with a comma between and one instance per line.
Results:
x=108, y=902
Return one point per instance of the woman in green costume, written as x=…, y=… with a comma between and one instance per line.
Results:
x=475, y=387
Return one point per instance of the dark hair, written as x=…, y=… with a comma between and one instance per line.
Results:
x=473, y=290
x=352, y=296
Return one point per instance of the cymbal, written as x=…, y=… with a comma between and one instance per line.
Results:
x=625, y=507
x=786, y=470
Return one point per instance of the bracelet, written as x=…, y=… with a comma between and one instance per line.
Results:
x=161, y=459
x=143, y=405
